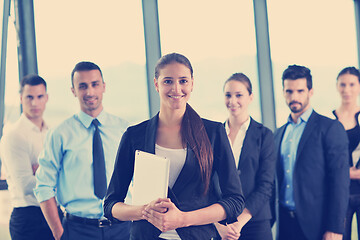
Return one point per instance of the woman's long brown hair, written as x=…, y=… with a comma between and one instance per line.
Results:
x=193, y=133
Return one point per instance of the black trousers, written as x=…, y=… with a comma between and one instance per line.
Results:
x=256, y=230
x=289, y=227
x=75, y=230
x=27, y=223
x=353, y=208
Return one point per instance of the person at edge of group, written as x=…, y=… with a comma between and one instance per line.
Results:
x=312, y=166
x=348, y=86
x=77, y=162
x=196, y=147
x=20, y=148
x=254, y=151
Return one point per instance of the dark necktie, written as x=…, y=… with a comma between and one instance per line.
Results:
x=98, y=163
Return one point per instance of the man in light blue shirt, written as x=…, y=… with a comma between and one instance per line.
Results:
x=289, y=145
x=67, y=171
x=312, y=168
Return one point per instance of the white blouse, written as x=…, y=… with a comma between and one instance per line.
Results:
x=177, y=160
x=237, y=145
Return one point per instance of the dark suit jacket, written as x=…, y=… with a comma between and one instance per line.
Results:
x=187, y=192
x=321, y=176
x=257, y=166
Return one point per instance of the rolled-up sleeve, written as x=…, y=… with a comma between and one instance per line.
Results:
x=49, y=166
x=15, y=155
x=232, y=199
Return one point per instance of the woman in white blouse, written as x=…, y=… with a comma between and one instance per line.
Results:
x=254, y=152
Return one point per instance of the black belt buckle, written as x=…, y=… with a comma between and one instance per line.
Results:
x=104, y=223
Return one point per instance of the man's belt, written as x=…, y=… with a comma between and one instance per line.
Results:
x=103, y=222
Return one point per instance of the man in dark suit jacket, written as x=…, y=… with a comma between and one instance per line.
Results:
x=312, y=166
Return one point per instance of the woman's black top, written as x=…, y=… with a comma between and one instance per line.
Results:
x=354, y=140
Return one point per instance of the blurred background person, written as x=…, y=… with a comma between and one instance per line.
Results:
x=254, y=151
x=312, y=166
x=348, y=86
x=20, y=149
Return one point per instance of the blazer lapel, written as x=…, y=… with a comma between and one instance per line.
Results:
x=150, y=134
x=250, y=141
x=187, y=172
x=310, y=126
x=278, y=139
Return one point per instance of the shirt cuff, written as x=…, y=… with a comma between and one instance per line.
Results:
x=42, y=194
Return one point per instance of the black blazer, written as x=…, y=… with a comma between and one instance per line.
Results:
x=321, y=176
x=257, y=166
x=187, y=192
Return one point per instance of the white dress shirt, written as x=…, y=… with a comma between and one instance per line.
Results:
x=236, y=146
x=20, y=148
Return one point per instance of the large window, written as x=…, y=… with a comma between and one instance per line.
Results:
x=12, y=97
x=320, y=35
x=109, y=33
x=11, y=111
x=219, y=39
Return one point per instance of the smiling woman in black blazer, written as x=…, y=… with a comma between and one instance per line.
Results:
x=254, y=152
x=197, y=148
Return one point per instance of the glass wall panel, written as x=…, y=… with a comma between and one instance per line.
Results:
x=11, y=111
x=219, y=39
x=318, y=34
x=12, y=97
x=108, y=33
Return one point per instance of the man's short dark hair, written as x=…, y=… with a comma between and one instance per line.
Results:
x=84, y=66
x=32, y=80
x=294, y=72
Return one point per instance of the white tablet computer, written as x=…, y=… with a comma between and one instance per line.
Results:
x=151, y=177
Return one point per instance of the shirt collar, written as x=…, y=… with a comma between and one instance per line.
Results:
x=86, y=119
x=30, y=125
x=244, y=126
x=304, y=117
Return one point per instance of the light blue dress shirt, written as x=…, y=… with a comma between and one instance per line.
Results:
x=65, y=169
x=289, y=147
